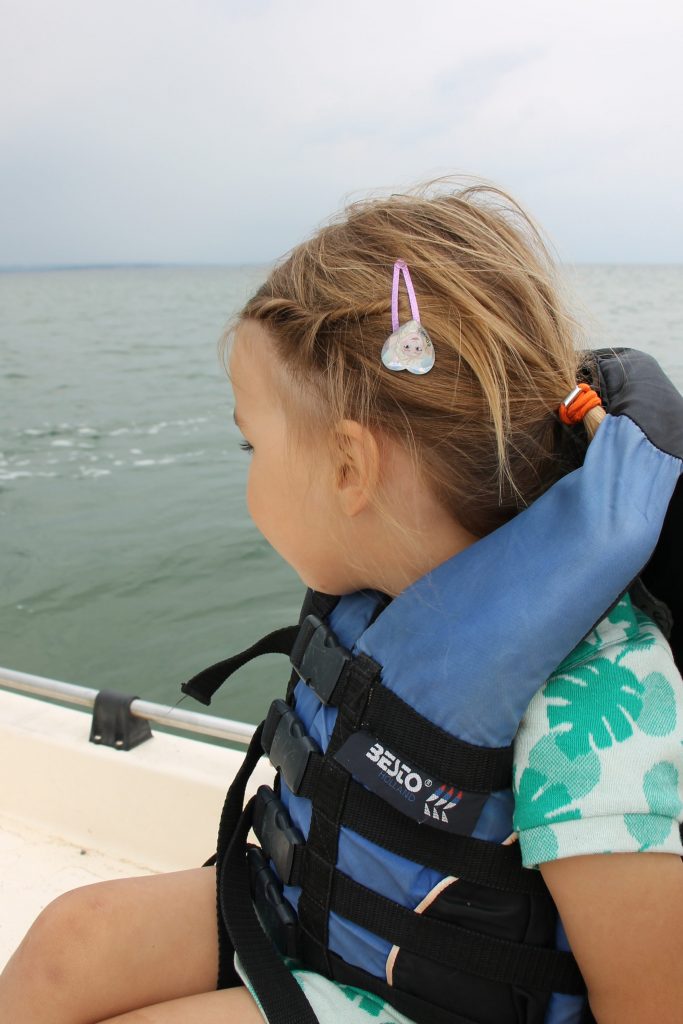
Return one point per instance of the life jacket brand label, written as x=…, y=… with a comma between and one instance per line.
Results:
x=394, y=767
x=408, y=787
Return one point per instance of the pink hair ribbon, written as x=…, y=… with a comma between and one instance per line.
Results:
x=400, y=267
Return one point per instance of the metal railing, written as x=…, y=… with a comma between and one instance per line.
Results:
x=84, y=696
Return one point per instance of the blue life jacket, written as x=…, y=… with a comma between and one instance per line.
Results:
x=383, y=860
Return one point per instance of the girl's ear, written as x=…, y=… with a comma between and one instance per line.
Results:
x=357, y=466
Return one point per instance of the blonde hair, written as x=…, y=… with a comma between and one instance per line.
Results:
x=482, y=422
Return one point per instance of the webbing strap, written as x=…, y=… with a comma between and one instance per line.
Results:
x=276, y=988
x=360, y=679
x=230, y=816
x=234, y=800
x=322, y=847
x=474, y=769
x=485, y=863
x=512, y=963
x=204, y=685
x=322, y=844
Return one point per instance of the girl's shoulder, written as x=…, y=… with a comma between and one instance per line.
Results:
x=602, y=742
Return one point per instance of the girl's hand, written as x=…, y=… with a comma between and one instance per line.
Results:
x=623, y=914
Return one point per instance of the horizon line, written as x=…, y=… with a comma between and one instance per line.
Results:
x=19, y=268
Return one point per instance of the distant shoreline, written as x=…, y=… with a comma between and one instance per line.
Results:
x=40, y=268
x=47, y=267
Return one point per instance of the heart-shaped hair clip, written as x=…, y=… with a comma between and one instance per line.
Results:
x=408, y=347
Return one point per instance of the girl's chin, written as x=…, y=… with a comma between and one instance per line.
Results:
x=328, y=585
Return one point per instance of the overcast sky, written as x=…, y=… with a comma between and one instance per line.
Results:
x=225, y=130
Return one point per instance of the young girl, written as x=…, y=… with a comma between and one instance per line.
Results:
x=397, y=382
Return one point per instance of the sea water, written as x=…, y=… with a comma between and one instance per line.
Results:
x=127, y=558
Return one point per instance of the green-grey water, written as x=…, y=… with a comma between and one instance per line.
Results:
x=128, y=559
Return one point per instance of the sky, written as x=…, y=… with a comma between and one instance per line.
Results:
x=201, y=131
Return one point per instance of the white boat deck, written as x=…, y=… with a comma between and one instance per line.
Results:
x=37, y=867
x=72, y=813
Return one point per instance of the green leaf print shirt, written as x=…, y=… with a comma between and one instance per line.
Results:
x=599, y=753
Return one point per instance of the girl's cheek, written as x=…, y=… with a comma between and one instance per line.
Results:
x=258, y=505
x=250, y=496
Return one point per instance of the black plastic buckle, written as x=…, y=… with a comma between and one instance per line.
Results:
x=275, y=832
x=274, y=910
x=286, y=743
x=318, y=657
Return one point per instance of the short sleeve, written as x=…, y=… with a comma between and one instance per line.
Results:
x=598, y=762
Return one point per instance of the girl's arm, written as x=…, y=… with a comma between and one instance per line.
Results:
x=623, y=914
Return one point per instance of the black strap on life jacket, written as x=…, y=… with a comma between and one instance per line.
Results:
x=279, y=994
x=230, y=816
x=203, y=686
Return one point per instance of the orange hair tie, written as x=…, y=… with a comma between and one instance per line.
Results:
x=577, y=403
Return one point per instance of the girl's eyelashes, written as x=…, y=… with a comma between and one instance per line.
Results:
x=246, y=447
